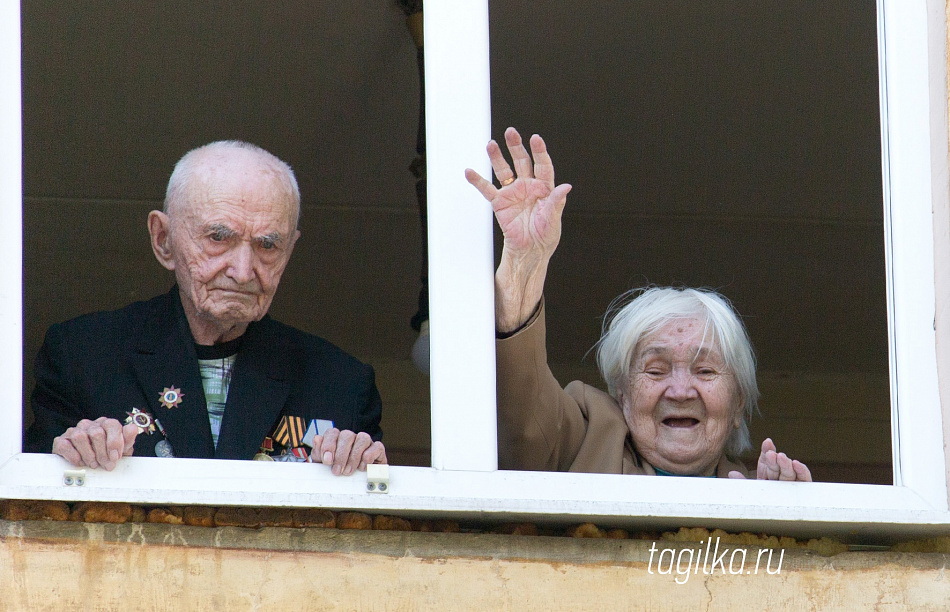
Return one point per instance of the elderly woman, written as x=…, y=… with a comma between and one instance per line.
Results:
x=678, y=363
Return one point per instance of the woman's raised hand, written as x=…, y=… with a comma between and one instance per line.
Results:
x=528, y=209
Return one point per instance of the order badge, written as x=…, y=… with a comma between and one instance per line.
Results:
x=143, y=420
x=170, y=397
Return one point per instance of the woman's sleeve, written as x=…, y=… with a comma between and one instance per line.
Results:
x=540, y=426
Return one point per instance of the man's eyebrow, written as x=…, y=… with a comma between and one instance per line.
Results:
x=274, y=237
x=220, y=228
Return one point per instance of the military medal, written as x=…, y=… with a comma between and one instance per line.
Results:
x=267, y=447
x=290, y=458
x=290, y=430
x=163, y=448
x=170, y=397
x=317, y=427
x=143, y=420
x=293, y=455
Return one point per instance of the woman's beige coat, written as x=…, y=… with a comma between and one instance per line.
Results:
x=576, y=429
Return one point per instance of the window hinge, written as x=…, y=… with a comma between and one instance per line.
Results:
x=377, y=478
x=74, y=478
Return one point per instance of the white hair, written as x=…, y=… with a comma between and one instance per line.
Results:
x=640, y=312
x=189, y=167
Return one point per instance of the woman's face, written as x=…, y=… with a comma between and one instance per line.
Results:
x=681, y=403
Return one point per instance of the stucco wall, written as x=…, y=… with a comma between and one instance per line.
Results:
x=67, y=566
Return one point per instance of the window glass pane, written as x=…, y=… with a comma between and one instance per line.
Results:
x=734, y=146
x=113, y=97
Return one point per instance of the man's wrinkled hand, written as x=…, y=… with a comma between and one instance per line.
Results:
x=94, y=444
x=346, y=452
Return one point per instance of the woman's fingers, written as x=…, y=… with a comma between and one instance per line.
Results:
x=499, y=166
x=484, y=187
x=802, y=473
x=785, y=469
x=543, y=166
x=778, y=466
x=519, y=155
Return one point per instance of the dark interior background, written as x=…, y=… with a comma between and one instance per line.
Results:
x=733, y=145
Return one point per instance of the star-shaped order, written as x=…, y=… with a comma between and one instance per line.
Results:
x=170, y=396
x=142, y=420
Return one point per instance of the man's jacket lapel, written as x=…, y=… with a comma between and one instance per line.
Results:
x=165, y=357
x=260, y=384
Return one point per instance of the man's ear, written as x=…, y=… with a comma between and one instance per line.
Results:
x=159, y=229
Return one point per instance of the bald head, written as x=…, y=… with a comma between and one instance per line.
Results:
x=202, y=166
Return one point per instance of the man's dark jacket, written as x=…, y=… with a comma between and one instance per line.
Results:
x=107, y=363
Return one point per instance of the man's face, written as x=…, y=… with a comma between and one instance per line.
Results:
x=231, y=240
x=681, y=402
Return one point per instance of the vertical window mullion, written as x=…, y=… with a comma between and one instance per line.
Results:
x=910, y=185
x=461, y=301
x=11, y=220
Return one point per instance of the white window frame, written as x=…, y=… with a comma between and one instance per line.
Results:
x=464, y=481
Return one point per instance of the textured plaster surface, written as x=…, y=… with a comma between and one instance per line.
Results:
x=67, y=566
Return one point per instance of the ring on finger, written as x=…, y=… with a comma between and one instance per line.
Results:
x=508, y=181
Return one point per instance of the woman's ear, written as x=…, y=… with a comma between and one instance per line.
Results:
x=159, y=230
x=740, y=403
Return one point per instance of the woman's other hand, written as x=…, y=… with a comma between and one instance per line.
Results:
x=777, y=466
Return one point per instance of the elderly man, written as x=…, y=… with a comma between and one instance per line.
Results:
x=202, y=371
